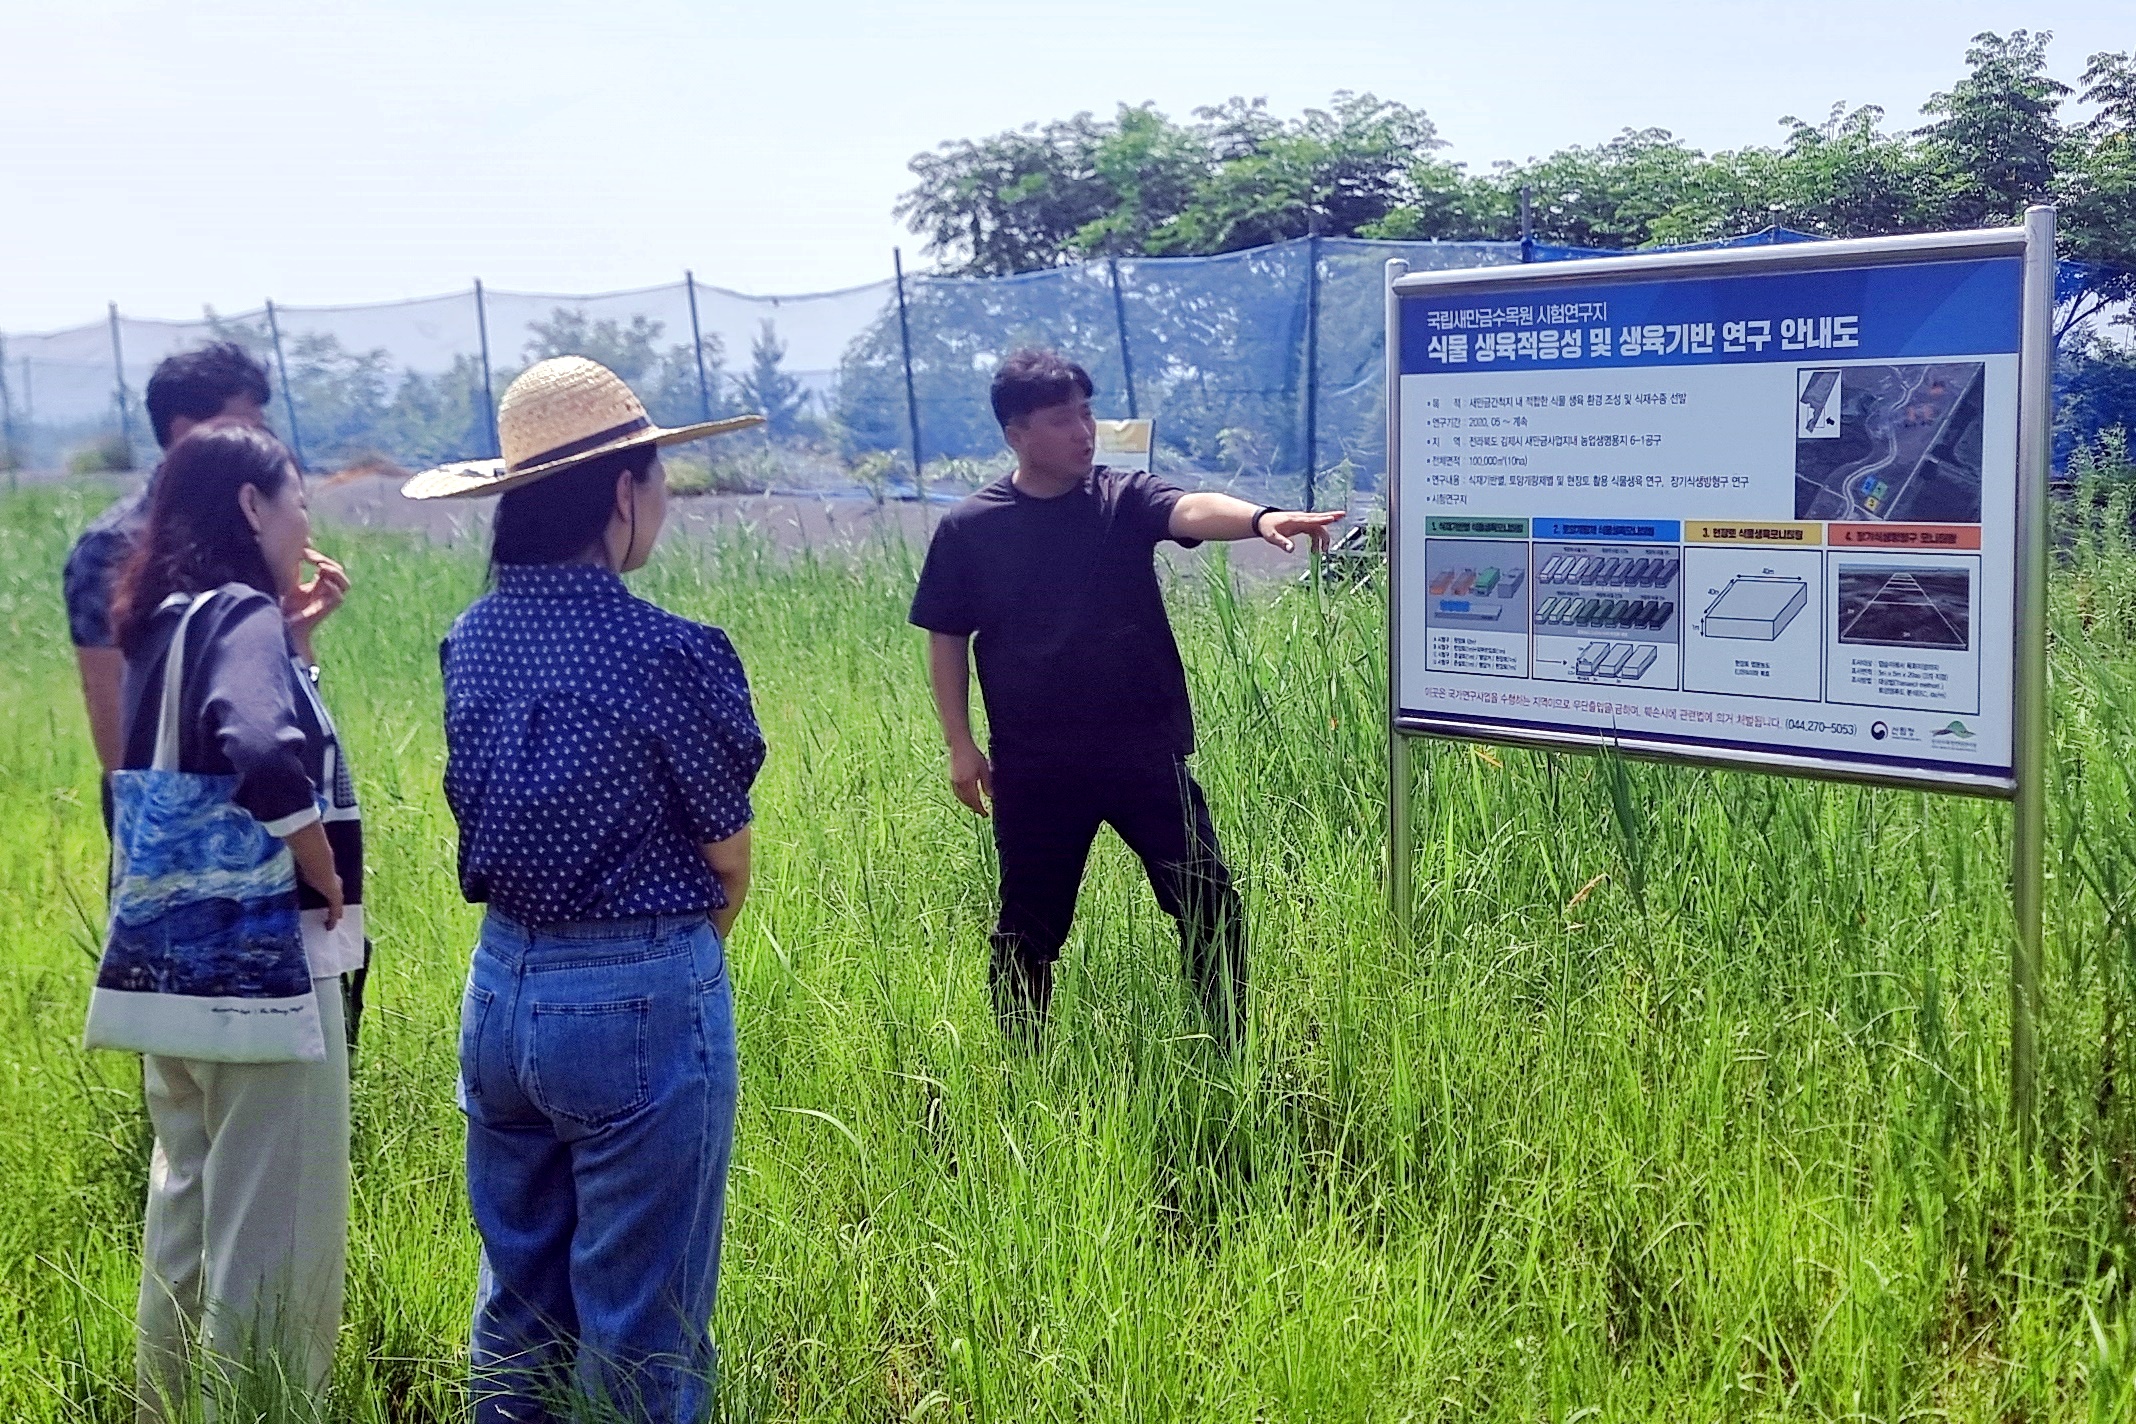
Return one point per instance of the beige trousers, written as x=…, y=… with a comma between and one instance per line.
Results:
x=246, y=1241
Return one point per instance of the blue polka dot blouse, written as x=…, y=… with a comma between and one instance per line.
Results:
x=593, y=743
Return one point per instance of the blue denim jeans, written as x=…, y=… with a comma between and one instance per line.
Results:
x=597, y=1071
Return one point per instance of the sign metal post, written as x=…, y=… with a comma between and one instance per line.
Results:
x=2028, y=839
x=1400, y=842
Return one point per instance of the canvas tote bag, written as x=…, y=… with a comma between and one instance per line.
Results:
x=204, y=956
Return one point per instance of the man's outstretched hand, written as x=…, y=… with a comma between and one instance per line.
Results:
x=1283, y=527
x=971, y=776
x=1205, y=514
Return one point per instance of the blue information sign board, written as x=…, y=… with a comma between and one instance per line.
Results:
x=1771, y=507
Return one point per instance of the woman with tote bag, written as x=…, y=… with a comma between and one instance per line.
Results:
x=236, y=903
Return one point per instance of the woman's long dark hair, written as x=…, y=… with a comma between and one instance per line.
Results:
x=558, y=518
x=197, y=537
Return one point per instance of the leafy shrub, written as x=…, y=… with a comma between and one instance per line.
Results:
x=109, y=453
x=964, y=472
x=872, y=472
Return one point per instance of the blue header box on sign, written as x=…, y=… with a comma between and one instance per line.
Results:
x=1904, y=311
x=1626, y=531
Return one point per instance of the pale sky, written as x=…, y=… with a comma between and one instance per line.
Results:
x=170, y=155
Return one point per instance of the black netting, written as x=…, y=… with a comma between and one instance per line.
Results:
x=1263, y=369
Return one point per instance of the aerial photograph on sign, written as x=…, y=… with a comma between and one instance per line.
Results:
x=1889, y=443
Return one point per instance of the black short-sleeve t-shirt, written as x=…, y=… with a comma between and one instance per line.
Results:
x=1075, y=654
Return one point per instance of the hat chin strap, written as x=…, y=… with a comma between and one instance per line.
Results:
x=631, y=547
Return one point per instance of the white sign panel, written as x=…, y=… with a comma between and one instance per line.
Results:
x=1126, y=444
x=1729, y=513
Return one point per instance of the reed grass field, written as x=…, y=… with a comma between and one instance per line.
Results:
x=1683, y=1097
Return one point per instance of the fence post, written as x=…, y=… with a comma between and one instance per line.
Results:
x=29, y=405
x=912, y=400
x=118, y=369
x=489, y=393
x=697, y=346
x=1312, y=364
x=7, y=417
x=1127, y=359
x=289, y=402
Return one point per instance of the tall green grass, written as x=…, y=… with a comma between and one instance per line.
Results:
x=1683, y=1096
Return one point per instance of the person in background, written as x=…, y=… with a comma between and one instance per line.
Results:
x=216, y=382
x=599, y=755
x=1048, y=574
x=246, y=1235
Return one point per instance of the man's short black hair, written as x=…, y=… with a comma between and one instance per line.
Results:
x=1032, y=379
x=198, y=384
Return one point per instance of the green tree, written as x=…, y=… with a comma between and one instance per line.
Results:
x=1236, y=177
x=1149, y=168
x=2097, y=188
x=433, y=419
x=1610, y=195
x=629, y=350
x=1849, y=177
x=1445, y=204
x=665, y=377
x=342, y=397
x=1996, y=137
x=1012, y=202
x=1335, y=171
x=767, y=388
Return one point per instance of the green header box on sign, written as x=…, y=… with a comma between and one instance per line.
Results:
x=1442, y=527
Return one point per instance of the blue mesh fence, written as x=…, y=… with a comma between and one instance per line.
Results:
x=1262, y=368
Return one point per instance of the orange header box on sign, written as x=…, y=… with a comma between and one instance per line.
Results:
x=1927, y=538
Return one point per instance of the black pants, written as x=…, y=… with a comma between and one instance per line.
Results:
x=1044, y=821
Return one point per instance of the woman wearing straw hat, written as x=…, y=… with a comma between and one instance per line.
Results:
x=600, y=752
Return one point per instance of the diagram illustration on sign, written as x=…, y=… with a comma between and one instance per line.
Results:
x=1479, y=608
x=1607, y=611
x=1620, y=660
x=1753, y=607
x=1817, y=408
x=1906, y=444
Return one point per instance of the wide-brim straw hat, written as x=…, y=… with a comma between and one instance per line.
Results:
x=560, y=413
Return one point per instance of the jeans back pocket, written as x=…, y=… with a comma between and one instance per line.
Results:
x=589, y=1060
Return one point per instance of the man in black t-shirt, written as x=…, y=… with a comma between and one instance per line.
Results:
x=1052, y=570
